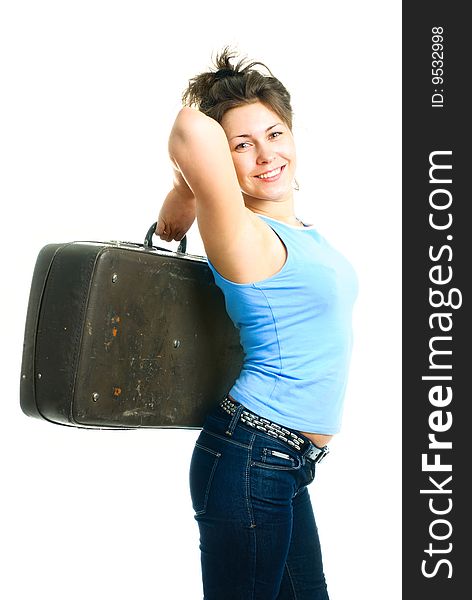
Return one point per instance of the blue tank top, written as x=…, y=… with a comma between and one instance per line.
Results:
x=296, y=333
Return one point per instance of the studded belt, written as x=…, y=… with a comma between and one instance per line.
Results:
x=276, y=431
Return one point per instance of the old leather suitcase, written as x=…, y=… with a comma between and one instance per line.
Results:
x=123, y=335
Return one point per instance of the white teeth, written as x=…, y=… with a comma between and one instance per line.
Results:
x=270, y=174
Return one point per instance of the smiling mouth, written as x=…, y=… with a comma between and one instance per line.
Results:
x=271, y=175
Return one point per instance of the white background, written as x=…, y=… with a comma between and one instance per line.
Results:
x=89, y=93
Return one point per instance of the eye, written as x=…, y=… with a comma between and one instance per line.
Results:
x=242, y=146
x=275, y=134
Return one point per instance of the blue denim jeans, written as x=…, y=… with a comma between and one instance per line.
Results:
x=258, y=536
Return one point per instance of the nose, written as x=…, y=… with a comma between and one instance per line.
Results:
x=265, y=154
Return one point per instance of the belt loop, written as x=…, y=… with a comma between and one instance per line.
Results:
x=234, y=420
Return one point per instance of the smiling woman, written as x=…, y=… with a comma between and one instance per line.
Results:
x=290, y=294
x=264, y=158
x=233, y=180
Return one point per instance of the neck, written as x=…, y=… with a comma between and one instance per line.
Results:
x=291, y=220
x=282, y=211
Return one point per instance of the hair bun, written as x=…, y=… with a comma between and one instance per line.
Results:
x=222, y=73
x=231, y=82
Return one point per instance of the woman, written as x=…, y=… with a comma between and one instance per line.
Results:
x=290, y=294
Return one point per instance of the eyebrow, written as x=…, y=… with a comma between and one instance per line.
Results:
x=247, y=135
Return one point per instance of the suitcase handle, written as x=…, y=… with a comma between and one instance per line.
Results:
x=148, y=240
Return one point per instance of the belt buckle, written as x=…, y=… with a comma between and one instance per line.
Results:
x=317, y=454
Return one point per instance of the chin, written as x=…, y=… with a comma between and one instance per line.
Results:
x=273, y=197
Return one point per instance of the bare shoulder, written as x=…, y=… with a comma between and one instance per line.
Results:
x=254, y=252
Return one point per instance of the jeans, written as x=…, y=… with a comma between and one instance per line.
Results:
x=258, y=536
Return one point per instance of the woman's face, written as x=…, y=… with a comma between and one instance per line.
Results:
x=263, y=152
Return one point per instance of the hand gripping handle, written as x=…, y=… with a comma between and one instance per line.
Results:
x=148, y=240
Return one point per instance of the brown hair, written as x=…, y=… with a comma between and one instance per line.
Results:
x=216, y=91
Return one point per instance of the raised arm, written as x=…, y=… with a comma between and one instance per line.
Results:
x=205, y=181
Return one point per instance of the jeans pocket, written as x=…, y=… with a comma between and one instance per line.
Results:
x=202, y=469
x=272, y=458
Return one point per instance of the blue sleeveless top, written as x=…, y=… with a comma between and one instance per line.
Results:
x=296, y=334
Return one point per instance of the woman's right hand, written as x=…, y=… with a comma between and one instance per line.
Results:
x=177, y=213
x=176, y=216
